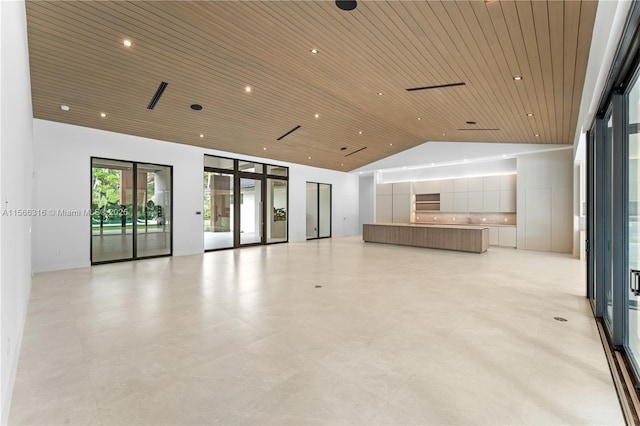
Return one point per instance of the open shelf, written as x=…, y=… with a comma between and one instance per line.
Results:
x=427, y=202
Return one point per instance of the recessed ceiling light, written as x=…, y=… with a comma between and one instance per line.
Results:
x=342, y=164
x=443, y=134
x=314, y=51
x=466, y=161
x=390, y=144
x=127, y=43
x=196, y=107
x=247, y=89
x=103, y=114
x=504, y=155
x=517, y=77
x=317, y=115
x=264, y=149
x=201, y=135
x=309, y=158
x=433, y=164
x=380, y=93
x=537, y=135
x=65, y=107
x=360, y=132
x=419, y=118
x=529, y=114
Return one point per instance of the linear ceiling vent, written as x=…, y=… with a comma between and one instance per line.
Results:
x=156, y=97
x=357, y=151
x=440, y=86
x=289, y=132
x=477, y=129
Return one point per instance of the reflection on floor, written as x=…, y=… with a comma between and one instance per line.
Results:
x=115, y=245
x=323, y=332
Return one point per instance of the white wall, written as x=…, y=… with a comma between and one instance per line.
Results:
x=16, y=163
x=545, y=201
x=62, y=166
x=367, y=207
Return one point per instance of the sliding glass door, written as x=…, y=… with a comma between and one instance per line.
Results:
x=250, y=211
x=131, y=212
x=245, y=203
x=318, y=210
x=633, y=221
x=111, y=210
x=218, y=210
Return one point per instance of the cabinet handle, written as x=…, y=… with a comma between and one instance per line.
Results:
x=634, y=281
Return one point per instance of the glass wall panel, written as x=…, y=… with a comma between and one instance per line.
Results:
x=278, y=171
x=249, y=167
x=277, y=196
x=608, y=285
x=633, y=221
x=112, y=210
x=153, y=210
x=218, y=162
x=312, y=210
x=250, y=211
x=218, y=210
x=324, y=211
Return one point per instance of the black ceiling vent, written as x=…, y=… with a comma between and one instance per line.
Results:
x=440, y=86
x=471, y=122
x=344, y=148
x=476, y=129
x=357, y=151
x=288, y=133
x=346, y=4
x=156, y=97
x=196, y=107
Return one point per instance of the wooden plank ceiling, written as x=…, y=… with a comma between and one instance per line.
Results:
x=210, y=51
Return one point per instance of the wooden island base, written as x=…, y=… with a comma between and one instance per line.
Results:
x=472, y=239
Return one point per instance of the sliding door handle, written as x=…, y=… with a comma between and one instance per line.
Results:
x=634, y=281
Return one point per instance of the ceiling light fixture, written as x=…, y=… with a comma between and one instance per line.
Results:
x=309, y=158
x=380, y=94
x=247, y=89
x=537, y=135
x=529, y=114
x=360, y=132
x=317, y=115
x=443, y=134
x=390, y=144
x=517, y=77
x=314, y=51
x=65, y=107
x=201, y=135
x=419, y=118
x=264, y=148
x=347, y=5
x=127, y=43
x=103, y=114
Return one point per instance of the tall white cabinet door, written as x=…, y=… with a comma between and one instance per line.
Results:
x=475, y=184
x=508, y=201
x=491, y=201
x=446, y=201
x=446, y=185
x=475, y=202
x=401, y=208
x=384, y=209
x=491, y=183
x=460, y=202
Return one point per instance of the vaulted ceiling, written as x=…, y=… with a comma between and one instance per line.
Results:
x=348, y=102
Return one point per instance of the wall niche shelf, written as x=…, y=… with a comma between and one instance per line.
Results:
x=427, y=202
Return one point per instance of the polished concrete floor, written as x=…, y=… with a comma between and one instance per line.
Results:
x=323, y=332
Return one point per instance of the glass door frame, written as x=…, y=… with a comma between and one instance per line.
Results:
x=263, y=177
x=134, y=211
x=318, y=205
x=237, y=217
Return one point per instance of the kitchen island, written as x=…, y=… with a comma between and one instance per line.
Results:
x=472, y=239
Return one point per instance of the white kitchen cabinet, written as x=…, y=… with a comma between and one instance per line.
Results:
x=475, y=202
x=446, y=202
